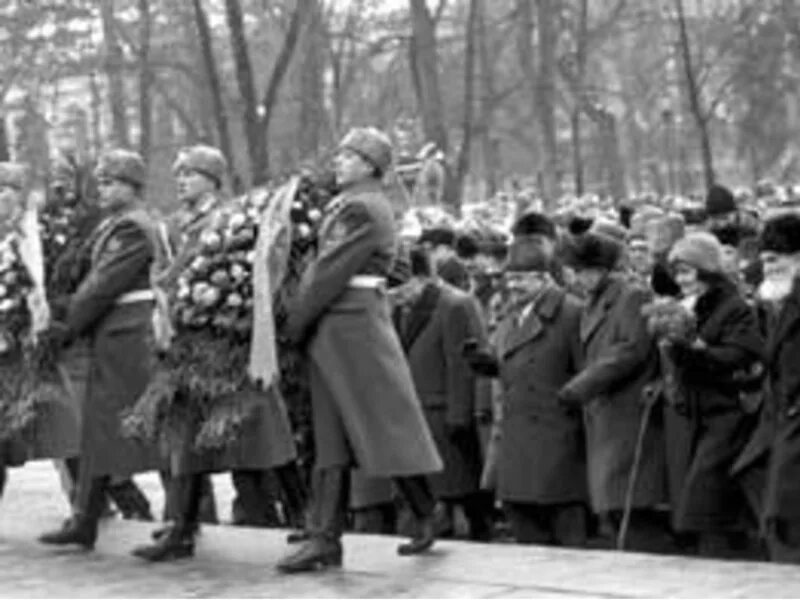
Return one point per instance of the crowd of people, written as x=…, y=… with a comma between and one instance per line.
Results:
x=606, y=376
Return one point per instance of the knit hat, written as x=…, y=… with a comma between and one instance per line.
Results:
x=13, y=175
x=719, y=201
x=371, y=144
x=593, y=250
x=206, y=160
x=123, y=165
x=534, y=223
x=700, y=250
x=781, y=234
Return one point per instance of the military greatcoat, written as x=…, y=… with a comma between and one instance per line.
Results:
x=118, y=335
x=365, y=408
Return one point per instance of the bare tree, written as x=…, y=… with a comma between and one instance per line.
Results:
x=220, y=115
x=699, y=114
x=424, y=64
x=464, y=153
x=145, y=78
x=244, y=79
x=312, y=109
x=113, y=68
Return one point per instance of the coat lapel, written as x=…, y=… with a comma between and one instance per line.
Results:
x=595, y=313
x=419, y=315
x=544, y=308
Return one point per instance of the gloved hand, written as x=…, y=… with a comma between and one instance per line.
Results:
x=481, y=360
x=568, y=398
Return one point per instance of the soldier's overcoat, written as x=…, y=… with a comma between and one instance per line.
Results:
x=365, y=408
x=118, y=337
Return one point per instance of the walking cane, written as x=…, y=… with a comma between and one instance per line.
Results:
x=651, y=396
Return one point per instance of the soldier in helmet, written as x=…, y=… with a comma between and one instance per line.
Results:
x=112, y=307
x=364, y=405
x=265, y=442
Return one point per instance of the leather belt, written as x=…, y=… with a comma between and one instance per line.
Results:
x=369, y=282
x=137, y=296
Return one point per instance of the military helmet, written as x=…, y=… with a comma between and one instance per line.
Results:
x=204, y=159
x=371, y=144
x=123, y=165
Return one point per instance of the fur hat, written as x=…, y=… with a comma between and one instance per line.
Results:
x=781, y=234
x=371, y=144
x=593, y=250
x=579, y=225
x=719, y=201
x=206, y=160
x=700, y=250
x=123, y=165
x=466, y=246
x=534, y=223
x=13, y=175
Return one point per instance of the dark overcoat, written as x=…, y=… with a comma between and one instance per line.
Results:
x=782, y=496
x=118, y=336
x=731, y=342
x=619, y=362
x=365, y=408
x=542, y=457
x=445, y=385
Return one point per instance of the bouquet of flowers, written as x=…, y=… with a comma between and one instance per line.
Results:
x=669, y=319
x=26, y=368
x=198, y=379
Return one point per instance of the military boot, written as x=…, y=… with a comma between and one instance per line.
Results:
x=176, y=543
x=316, y=554
x=78, y=531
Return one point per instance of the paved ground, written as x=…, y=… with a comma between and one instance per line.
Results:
x=238, y=562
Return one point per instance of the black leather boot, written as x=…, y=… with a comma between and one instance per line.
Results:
x=176, y=543
x=81, y=530
x=316, y=554
x=323, y=547
x=416, y=491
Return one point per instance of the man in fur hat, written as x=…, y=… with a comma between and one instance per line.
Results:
x=541, y=467
x=619, y=361
x=779, y=429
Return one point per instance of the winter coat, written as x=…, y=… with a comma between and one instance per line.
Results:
x=619, y=363
x=731, y=342
x=542, y=456
x=782, y=496
x=118, y=334
x=364, y=405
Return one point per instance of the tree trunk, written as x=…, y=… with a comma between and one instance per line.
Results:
x=244, y=79
x=220, y=116
x=276, y=78
x=695, y=103
x=4, y=153
x=145, y=78
x=425, y=73
x=545, y=85
x=581, y=57
x=484, y=127
x=96, y=112
x=113, y=69
x=312, y=104
x=465, y=152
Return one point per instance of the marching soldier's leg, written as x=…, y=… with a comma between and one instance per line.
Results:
x=294, y=493
x=81, y=530
x=178, y=541
x=130, y=500
x=254, y=504
x=329, y=513
x=416, y=490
